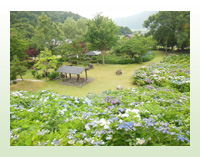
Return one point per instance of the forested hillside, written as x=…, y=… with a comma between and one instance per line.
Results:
x=31, y=16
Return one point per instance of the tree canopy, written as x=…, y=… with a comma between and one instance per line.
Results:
x=30, y=17
x=18, y=44
x=17, y=67
x=46, y=61
x=124, y=30
x=139, y=45
x=47, y=34
x=102, y=34
x=74, y=29
x=170, y=28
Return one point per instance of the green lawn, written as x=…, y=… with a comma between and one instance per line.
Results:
x=104, y=78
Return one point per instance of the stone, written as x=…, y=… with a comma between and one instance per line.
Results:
x=118, y=72
x=91, y=66
x=90, y=93
x=119, y=87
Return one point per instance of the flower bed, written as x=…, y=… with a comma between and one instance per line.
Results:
x=132, y=117
x=173, y=72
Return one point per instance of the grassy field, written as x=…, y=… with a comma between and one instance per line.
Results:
x=104, y=78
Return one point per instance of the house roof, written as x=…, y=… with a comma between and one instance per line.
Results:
x=93, y=53
x=71, y=69
x=130, y=35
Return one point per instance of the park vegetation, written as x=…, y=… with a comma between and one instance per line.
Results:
x=152, y=115
x=155, y=113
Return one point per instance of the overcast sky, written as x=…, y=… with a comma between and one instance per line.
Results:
x=112, y=9
x=114, y=13
x=89, y=8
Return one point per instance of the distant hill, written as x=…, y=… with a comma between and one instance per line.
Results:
x=135, y=21
x=31, y=16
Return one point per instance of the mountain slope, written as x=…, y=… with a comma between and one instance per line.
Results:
x=135, y=21
x=31, y=16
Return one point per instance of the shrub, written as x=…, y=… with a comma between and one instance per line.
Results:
x=114, y=59
x=137, y=59
x=73, y=58
x=143, y=116
x=43, y=74
x=74, y=61
x=33, y=72
x=63, y=59
x=14, y=82
x=30, y=64
x=86, y=63
x=125, y=61
x=100, y=61
x=53, y=75
x=13, y=77
x=148, y=56
x=59, y=64
x=94, y=58
x=173, y=71
x=93, y=61
x=38, y=76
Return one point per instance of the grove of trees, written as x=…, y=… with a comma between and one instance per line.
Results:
x=102, y=34
x=65, y=33
x=170, y=28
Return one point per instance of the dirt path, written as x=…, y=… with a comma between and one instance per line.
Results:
x=17, y=80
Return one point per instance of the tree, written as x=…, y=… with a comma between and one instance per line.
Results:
x=124, y=30
x=47, y=34
x=170, y=28
x=69, y=28
x=31, y=52
x=74, y=29
x=120, y=43
x=17, y=67
x=31, y=16
x=102, y=34
x=46, y=61
x=26, y=30
x=138, y=45
x=18, y=45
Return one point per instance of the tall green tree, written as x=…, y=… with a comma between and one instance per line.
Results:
x=138, y=45
x=120, y=43
x=46, y=61
x=74, y=30
x=26, y=30
x=170, y=28
x=102, y=34
x=47, y=34
x=69, y=28
x=18, y=44
x=17, y=67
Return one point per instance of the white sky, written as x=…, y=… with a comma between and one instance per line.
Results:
x=114, y=13
x=89, y=8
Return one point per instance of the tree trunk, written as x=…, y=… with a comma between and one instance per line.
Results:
x=182, y=48
x=172, y=48
x=46, y=74
x=102, y=54
x=21, y=77
x=141, y=59
x=166, y=48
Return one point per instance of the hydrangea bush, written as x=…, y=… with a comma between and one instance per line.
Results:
x=146, y=116
x=173, y=71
